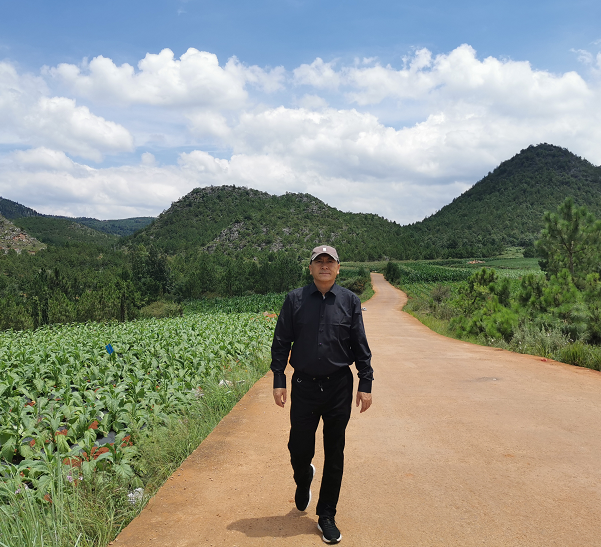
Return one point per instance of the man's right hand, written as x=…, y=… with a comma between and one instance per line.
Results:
x=279, y=396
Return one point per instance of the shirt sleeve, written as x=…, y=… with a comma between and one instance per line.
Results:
x=361, y=349
x=282, y=342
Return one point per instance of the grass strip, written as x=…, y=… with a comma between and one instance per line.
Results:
x=527, y=339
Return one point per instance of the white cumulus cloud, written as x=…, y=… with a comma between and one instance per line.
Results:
x=40, y=159
x=148, y=159
x=28, y=116
x=590, y=60
x=59, y=122
x=461, y=76
x=486, y=109
x=318, y=74
x=80, y=190
x=195, y=79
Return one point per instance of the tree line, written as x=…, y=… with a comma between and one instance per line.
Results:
x=81, y=282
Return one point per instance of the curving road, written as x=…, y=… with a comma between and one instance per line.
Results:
x=464, y=446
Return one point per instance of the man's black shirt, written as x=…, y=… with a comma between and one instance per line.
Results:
x=325, y=334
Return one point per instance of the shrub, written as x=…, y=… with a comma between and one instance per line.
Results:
x=542, y=340
x=161, y=309
x=493, y=319
x=581, y=355
x=530, y=252
x=440, y=293
x=392, y=273
x=355, y=284
x=443, y=311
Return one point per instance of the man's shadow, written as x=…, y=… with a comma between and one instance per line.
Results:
x=294, y=523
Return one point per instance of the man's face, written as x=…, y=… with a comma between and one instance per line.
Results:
x=324, y=269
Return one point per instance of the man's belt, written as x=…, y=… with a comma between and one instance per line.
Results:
x=318, y=378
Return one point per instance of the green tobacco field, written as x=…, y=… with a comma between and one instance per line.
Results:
x=420, y=278
x=84, y=408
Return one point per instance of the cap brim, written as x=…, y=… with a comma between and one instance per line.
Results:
x=324, y=253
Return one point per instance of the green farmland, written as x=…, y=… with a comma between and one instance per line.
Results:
x=80, y=425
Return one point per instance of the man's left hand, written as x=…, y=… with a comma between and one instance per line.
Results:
x=363, y=399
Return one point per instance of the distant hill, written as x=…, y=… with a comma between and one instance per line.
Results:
x=11, y=209
x=506, y=207
x=69, y=228
x=121, y=227
x=59, y=231
x=12, y=237
x=230, y=219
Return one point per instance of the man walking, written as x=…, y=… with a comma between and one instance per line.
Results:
x=323, y=325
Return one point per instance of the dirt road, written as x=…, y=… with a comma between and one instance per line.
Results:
x=464, y=445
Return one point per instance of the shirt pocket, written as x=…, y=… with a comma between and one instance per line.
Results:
x=342, y=327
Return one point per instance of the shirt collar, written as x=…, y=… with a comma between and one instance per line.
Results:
x=334, y=289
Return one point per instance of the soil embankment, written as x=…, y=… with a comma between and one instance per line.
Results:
x=464, y=446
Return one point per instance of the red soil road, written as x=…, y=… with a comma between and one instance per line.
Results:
x=464, y=446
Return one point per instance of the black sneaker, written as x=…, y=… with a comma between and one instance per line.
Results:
x=327, y=526
x=302, y=498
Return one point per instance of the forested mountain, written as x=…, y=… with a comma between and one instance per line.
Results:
x=248, y=223
x=11, y=210
x=506, y=207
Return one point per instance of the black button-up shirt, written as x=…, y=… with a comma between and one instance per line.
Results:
x=325, y=334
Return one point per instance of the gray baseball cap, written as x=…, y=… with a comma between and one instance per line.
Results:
x=324, y=250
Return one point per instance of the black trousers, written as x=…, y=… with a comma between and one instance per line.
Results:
x=329, y=398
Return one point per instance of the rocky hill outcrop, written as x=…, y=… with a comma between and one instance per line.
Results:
x=14, y=238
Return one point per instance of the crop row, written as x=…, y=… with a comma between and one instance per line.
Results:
x=420, y=290
x=515, y=273
x=254, y=303
x=420, y=272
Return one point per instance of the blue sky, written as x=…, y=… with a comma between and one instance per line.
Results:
x=392, y=108
x=293, y=32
